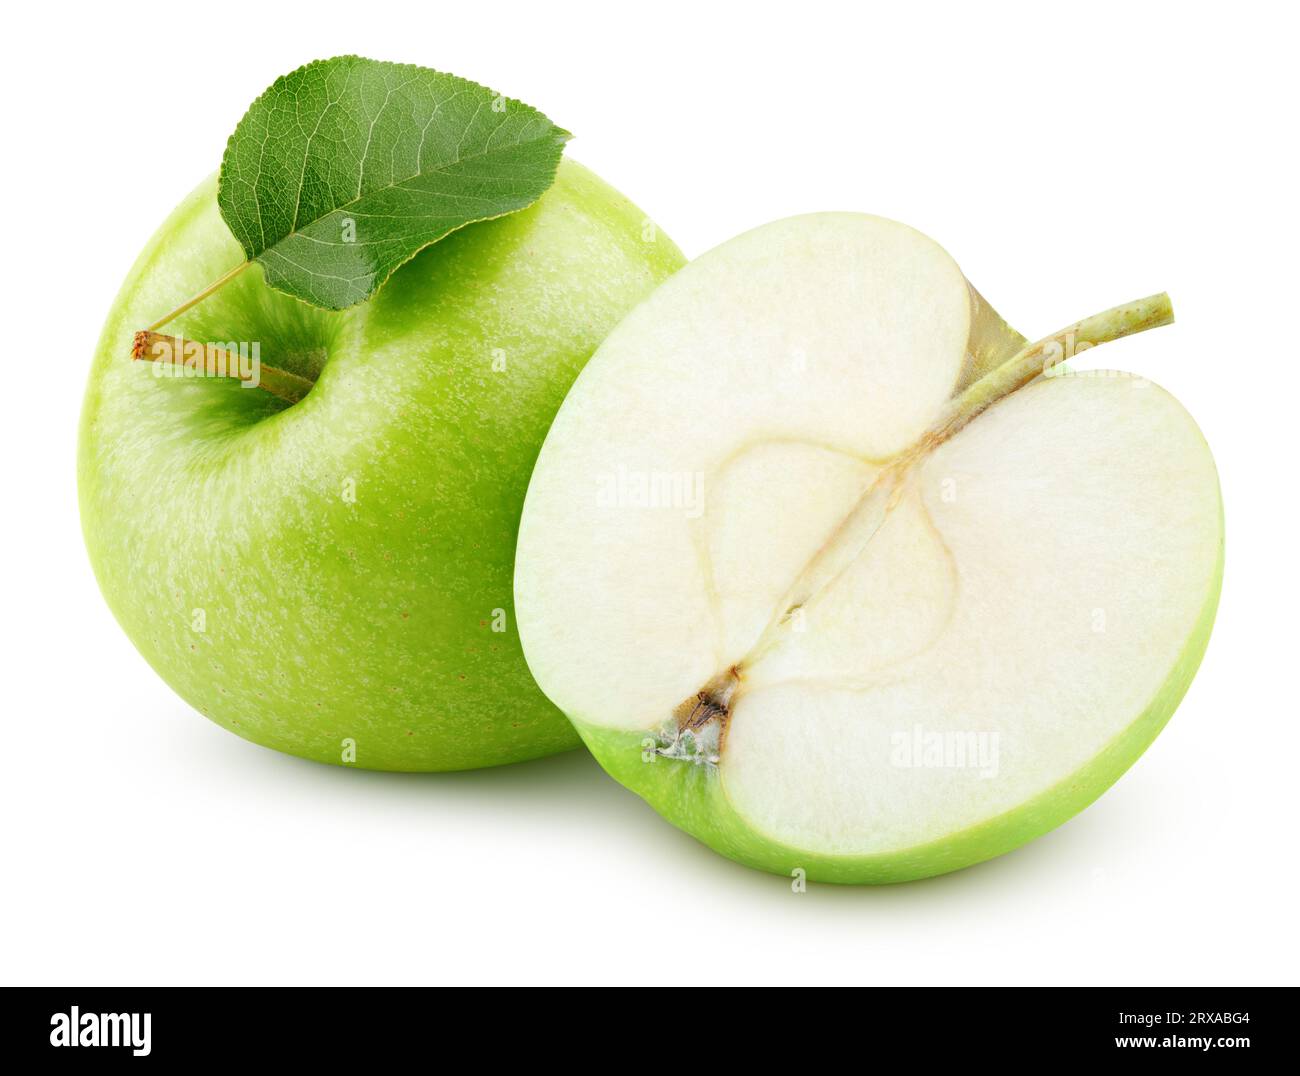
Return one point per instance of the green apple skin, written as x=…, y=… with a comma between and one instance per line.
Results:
x=331, y=578
x=692, y=797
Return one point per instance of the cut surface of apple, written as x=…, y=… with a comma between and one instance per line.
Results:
x=819, y=571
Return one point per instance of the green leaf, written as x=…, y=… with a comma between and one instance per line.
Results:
x=347, y=168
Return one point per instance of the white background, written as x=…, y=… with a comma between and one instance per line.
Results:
x=1069, y=160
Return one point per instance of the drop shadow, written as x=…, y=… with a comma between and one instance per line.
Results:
x=571, y=776
x=573, y=787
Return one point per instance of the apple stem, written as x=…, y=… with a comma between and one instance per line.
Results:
x=216, y=362
x=222, y=280
x=1037, y=358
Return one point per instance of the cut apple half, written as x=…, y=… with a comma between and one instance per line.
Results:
x=844, y=576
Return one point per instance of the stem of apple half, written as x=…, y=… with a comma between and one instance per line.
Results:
x=714, y=702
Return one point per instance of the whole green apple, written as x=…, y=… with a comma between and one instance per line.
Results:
x=332, y=578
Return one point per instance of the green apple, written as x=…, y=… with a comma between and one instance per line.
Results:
x=845, y=577
x=332, y=578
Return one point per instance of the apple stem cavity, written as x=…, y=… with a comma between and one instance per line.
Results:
x=214, y=361
x=210, y=361
x=709, y=710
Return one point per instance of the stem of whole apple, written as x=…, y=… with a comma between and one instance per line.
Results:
x=217, y=362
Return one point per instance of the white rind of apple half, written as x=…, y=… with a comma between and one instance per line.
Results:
x=816, y=572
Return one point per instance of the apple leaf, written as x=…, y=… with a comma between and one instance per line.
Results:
x=347, y=168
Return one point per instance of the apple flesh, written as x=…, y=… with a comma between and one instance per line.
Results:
x=333, y=578
x=825, y=563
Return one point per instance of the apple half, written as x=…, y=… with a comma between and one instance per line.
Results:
x=844, y=576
